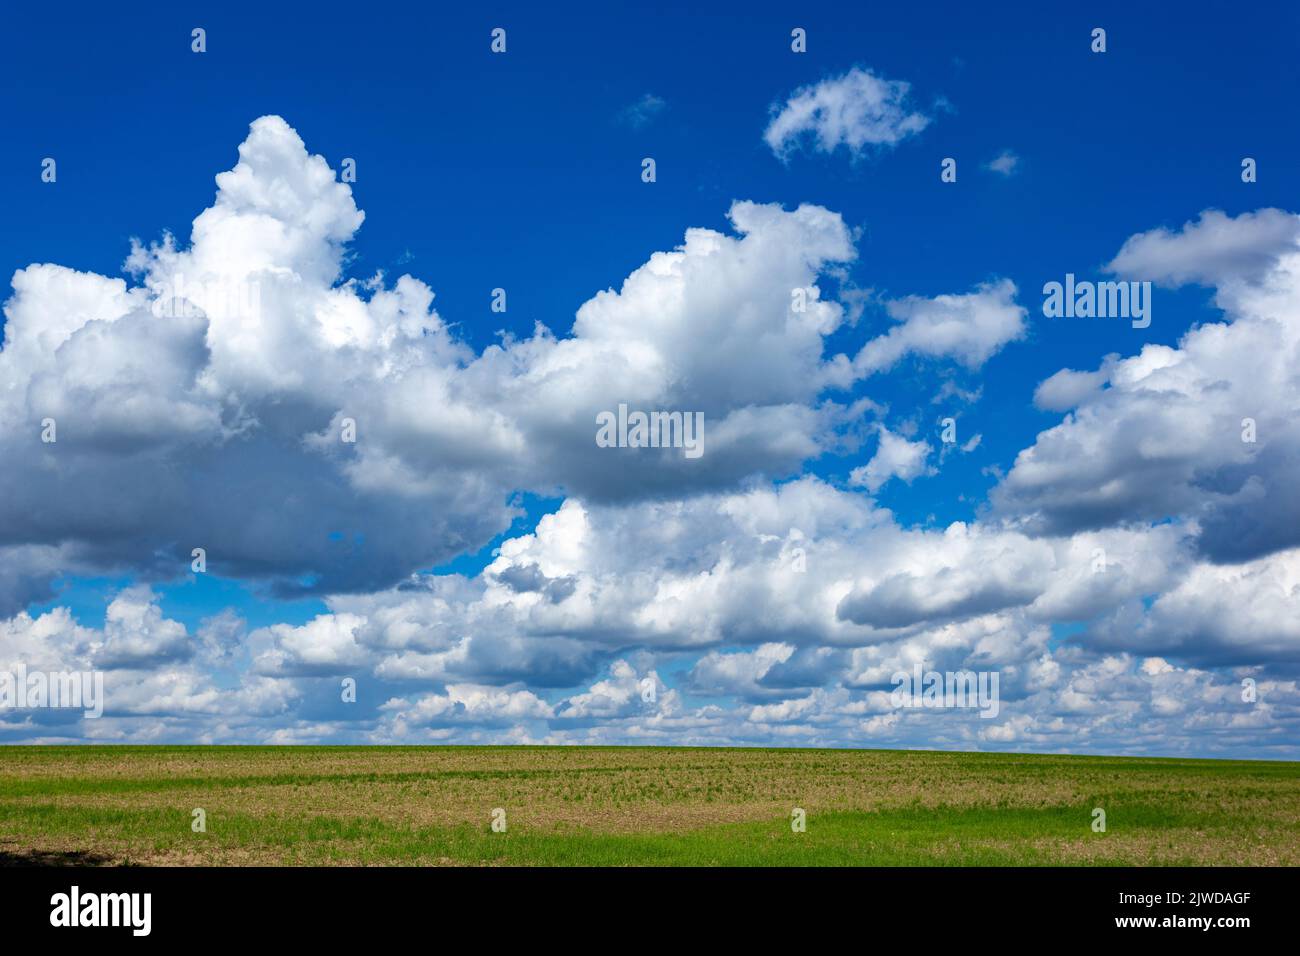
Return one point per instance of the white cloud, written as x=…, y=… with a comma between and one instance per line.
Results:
x=258, y=356
x=327, y=644
x=784, y=605
x=1234, y=614
x=1215, y=250
x=157, y=682
x=1004, y=163
x=430, y=716
x=738, y=672
x=804, y=655
x=1168, y=435
x=136, y=633
x=895, y=457
x=968, y=328
x=1067, y=388
x=266, y=355
x=858, y=110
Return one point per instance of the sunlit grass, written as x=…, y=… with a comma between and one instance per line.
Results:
x=641, y=806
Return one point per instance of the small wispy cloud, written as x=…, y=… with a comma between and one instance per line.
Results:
x=643, y=111
x=1005, y=163
x=858, y=110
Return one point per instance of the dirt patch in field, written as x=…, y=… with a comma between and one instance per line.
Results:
x=31, y=856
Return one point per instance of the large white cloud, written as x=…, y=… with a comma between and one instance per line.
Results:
x=1217, y=249
x=1204, y=431
x=1137, y=563
x=224, y=383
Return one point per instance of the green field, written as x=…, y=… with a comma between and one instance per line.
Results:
x=650, y=806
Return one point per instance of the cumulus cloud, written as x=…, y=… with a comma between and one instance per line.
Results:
x=1214, y=250
x=1236, y=615
x=1204, y=431
x=722, y=570
x=464, y=704
x=241, y=356
x=858, y=110
x=179, y=395
x=1135, y=564
x=157, y=680
x=967, y=328
x=244, y=354
x=895, y=457
x=739, y=672
x=136, y=633
x=623, y=694
x=804, y=650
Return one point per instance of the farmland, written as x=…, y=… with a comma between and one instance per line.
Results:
x=636, y=806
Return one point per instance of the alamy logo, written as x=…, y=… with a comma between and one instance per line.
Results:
x=1100, y=300
x=72, y=689
x=103, y=909
x=949, y=689
x=683, y=430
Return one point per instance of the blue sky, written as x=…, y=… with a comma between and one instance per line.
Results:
x=523, y=171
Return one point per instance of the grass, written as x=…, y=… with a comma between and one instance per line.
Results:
x=601, y=806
